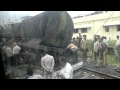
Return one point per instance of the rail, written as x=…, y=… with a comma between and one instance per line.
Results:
x=80, y=66
x=107, y=76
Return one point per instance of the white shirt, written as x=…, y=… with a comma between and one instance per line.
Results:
x=35, y=76
x=84, y=44
x=118, y=42
x=106, y=42
x=16, y=50
x=96, y=46
x=47, y=62
x=8, y=52
x=67, y=71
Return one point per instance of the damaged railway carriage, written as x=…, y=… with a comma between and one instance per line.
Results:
x=50, y=31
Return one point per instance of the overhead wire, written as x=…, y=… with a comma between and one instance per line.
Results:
x=103, y=24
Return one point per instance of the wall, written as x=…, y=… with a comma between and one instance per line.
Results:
x=96, y=22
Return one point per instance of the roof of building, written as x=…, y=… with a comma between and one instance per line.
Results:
x=101, y=16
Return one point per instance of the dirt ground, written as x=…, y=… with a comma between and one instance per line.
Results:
x=20, y=71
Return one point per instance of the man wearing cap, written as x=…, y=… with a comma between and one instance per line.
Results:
x=16, y=50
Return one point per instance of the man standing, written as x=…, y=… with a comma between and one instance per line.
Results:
x=73, y=51
x=117, y=48
x=47, y=63
x=16, y=50
x=4, y=41
x=96, y=48
x=84, y=48
x=105, y=40
x=9, y=55
x=102, y=53
x=80, y=38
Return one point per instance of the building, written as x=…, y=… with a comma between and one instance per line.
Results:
x=7, y=20
x=4, y=16
x=104, y=24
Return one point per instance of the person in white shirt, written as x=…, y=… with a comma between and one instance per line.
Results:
x=47, y=63
x=106, y=41
x=96, y=48
x=64, y=73
x=9, y=55
x=118, y=40
x=84, y=48
x=16, y=50
x=117, y=48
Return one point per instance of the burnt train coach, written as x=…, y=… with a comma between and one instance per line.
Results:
x=48, y=31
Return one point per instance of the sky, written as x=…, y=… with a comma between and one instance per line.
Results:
x=33, y=13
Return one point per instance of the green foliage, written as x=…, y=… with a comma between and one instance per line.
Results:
x=111, y=59
x=112, y=43
x=90, y=44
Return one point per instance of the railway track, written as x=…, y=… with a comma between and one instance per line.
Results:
x=103, y=75
x=79, y=68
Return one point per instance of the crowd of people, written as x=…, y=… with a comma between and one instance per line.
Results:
x=99, y=51
x=11, y=56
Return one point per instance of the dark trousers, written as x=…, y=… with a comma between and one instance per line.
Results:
x=16, y=59
x=74, y=55
x=95, y=55
x=10, y=61
x=84, y=54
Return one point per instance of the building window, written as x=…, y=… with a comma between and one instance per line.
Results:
x=107, y=29
x=76, y=30
x=83, y=30
x=118, y=27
